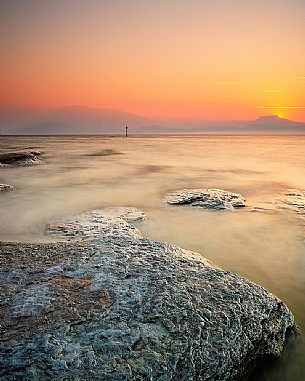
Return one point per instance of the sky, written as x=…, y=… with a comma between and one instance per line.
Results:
x=166, y=59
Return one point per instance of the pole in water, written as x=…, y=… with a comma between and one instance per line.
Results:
x=126, y=131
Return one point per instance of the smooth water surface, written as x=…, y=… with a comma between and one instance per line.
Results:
x=83, y=173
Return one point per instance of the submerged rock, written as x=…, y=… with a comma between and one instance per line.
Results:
x=291, y=200
x=20, y=158
x=5, y=187
x=105, y=152
x=295, y=200
x=113, y=305
x=206, y=198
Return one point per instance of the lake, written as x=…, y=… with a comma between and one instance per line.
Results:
x=264, y=241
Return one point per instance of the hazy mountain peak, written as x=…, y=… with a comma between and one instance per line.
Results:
x=79, y=119
x=275, y=123
x=271, y=119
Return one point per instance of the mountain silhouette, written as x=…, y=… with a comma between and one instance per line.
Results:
x=79, y=119
x=273, y=123
x=85, y=120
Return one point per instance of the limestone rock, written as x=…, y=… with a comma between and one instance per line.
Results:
x=206, y=198
x=20, y=158
x=113, y=305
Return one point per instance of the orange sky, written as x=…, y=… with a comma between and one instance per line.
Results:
x=195, y=59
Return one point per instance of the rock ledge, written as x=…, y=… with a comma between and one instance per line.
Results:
x=112, y=305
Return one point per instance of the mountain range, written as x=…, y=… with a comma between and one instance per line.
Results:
x=74, y=120
x=82, y=119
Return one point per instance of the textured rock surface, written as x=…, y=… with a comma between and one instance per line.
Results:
x=112, y=305
x=20, y=158
x=5, y=187
x=206, y=198
x=291, y=200
x=295, y=200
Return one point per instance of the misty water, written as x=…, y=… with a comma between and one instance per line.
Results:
x=83, y=173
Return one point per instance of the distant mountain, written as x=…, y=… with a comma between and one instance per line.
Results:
x=271, y=120
x=12, y=117
x=264, y=124
x=73, y=120
x=86, y=120
x=274, y=123
x=46, y=128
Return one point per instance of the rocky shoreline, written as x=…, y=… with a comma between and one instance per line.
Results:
x=113, y=305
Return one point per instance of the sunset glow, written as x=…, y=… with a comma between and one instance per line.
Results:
x=152, y=190
x=209, y=60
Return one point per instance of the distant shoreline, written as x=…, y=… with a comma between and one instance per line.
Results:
x=165, y=134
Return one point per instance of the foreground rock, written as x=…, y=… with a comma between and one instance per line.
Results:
x=206, y=198
x=5, y=187
x=20, y=158
x=112, y=305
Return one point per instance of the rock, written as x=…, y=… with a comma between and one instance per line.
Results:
x=206, y=198
x=295, y=200
x=5, y=187
x=20, y=158
x=263, y=210
x=292, y=200
x=113, y=305
x=104, y=152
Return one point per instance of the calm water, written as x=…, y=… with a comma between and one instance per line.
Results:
x=83, y=173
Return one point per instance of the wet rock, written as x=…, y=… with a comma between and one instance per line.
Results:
x=20, y=158
x=292, y=200
x=262, y=210
x=295, y=200
x=5, y=187
x=206, y=198
x=113, y=305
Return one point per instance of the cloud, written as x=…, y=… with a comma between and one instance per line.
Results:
x=230, y=83
x=270, y=91
x=283, y=107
